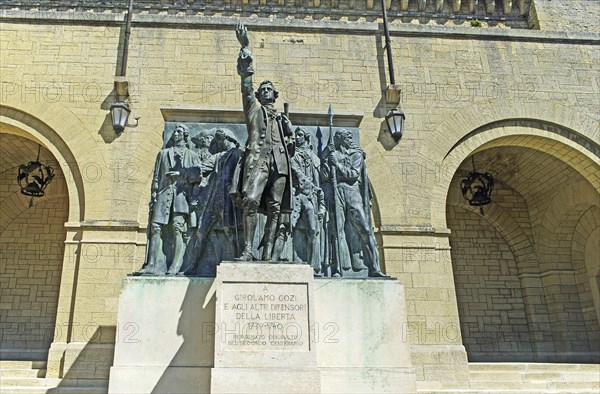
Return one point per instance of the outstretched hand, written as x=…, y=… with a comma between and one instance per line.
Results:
x=242, y=35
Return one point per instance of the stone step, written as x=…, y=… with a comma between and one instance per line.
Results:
x=53, y=390
x=578, y=376
x=574, y=386
x=485, y=391
x=590, y=367
x=87, y=383
x=557, y=376
x=513, y=375
x=581, y=376
x=22, y=373
x=522, y=378
x=28, y=382
x=19, y=364
x=53, y=386
x=541, y=375
x=547, y=367
x=24, y=390
x=496, y=385
x=563, y=367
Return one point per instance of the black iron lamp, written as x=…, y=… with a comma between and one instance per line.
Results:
x=120, y=109
x=395, y=123
x=477, y=188
x=34, y=177
x=119, y=112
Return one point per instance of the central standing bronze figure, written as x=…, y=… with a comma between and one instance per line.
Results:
x=263, y=180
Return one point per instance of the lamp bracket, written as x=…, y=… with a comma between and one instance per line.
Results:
x=121, y=88
x=393, y=93
x=132, y=125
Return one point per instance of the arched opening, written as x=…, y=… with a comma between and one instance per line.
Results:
x=32, y=240
x=524, y=279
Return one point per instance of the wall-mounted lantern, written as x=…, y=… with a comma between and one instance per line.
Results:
x=477, y=188
x=395, y=118
x=34, y=177
x=120, y=110
x=395, y=123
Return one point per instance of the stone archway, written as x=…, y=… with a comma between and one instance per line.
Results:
x=516, y=268
x=32, y=240
x=28, y=130
x=476, y=126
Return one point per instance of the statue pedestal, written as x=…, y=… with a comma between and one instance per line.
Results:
x=165, y=336
x=362, y=336
x=263, y=340
x=273, y=329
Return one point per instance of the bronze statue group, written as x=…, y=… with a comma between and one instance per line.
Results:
x=276, y=200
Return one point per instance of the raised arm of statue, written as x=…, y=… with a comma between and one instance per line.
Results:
x=245, y=68
x=242, y=35
x=248, y=98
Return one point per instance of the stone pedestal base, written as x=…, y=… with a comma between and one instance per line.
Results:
x=273, y=329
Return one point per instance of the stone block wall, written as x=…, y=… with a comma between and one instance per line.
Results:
x=455, y=80
x=490, y=300
x=568, y=285
x=587, y=271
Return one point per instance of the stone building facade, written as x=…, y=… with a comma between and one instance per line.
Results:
x=517, y=97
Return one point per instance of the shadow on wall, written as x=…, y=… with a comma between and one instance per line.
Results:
x=173, y=345
x=190, y=368
x=89, y=366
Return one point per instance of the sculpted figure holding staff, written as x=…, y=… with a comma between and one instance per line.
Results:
x=309, y=202
x=263, y=180
x=346, y=173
